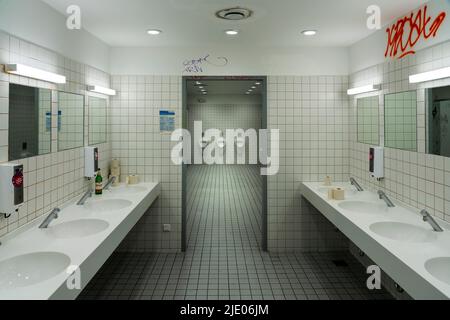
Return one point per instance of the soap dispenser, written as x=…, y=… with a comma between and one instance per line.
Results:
x=11, y=188
x=376, y=163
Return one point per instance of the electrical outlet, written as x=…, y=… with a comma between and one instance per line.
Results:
x=167, y=228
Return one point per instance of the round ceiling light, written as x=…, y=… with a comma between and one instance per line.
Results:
x=232, y=32
x=309, y=32
x=154, y=32
x=234, y=14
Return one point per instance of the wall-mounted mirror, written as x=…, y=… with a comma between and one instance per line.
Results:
x=97, y=120
x=70, y=121
x=30, y=121
x=400, y=120
x=438, y=117
x=368, y=119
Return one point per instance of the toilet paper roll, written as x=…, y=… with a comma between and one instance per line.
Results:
x=115, y=171
x=117, y=181
x=339, y=194
x=115, y=164
x=133, y=179
x=327, y=181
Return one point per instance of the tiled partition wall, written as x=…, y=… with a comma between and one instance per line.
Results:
x=312, y=114
x=143, y=150
x=415, y=178
x=52, y=179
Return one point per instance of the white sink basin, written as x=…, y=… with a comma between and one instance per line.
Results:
x=78, y=228
x=364, y=207
x=106, y=206
x=403, y=232
x=439, y=268
x=128, y=189
x=30, y=269
x=348, y=193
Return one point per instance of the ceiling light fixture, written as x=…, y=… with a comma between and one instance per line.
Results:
x=364, y=89
x=258, y=83
x=102, y=90
x=430, y=76
x=232, y=32
x=234, y=14
x=309, y=32
x=29, y=72
x=154, y=32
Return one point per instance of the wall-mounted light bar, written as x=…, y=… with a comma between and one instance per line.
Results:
x=364, y=89
x=102, y=90
x=30, y=72
x=430, y=76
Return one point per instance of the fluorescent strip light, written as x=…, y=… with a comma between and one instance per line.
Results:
x=29, y=72
x=364, y=89
x=430, y=76
x=98, y=89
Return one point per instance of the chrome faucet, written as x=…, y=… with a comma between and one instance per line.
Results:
x=109, y=183
x=386, y=199
x=428, y=218
x=84, y=198
x=356, y=184
x=52, y=216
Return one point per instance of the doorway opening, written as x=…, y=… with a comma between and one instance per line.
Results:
x=224, y=195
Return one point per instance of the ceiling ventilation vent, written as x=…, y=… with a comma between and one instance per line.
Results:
x=234, y=14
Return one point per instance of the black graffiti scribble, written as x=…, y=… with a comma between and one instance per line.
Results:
x=197, y=65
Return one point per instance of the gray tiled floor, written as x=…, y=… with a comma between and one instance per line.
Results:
x=224, y=260
x=224, y=207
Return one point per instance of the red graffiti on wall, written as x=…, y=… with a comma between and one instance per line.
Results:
x=406, y=32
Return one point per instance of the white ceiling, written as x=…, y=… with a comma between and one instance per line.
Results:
x=123, y=23
x=224, y=87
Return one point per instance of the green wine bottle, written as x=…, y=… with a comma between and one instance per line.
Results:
x=99, y=183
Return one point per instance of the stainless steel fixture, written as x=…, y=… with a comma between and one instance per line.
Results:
x=109, y=183
x=386, y=199
x=52, y=216
x=428, y=218
x=356, y=184
x=83, y=199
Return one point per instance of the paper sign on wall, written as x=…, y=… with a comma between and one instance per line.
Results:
x=166, y=121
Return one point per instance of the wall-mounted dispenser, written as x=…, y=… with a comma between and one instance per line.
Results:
x=376, y=162
x=11, y=188
x=90, y=162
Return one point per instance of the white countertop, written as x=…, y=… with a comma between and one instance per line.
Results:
x=89, y=253
x=404, y=262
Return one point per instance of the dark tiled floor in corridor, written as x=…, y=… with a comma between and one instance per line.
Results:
x=224, y=261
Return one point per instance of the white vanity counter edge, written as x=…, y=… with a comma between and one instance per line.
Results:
x=404, y=262
x=89, y=253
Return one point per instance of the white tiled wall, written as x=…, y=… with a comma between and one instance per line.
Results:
x=312, y=114
x=415, y=178
x=143, y=150
x=50, y=180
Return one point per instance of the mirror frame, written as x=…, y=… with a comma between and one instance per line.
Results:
x=57, y=92
x=88, y=105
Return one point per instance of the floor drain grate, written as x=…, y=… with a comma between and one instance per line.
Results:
x=340, y=263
